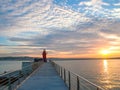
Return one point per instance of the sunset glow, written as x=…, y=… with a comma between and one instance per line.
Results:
x=105, y=52
x=105, y=63
x=65, y=28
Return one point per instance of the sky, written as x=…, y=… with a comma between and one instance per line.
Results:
x=65, y=28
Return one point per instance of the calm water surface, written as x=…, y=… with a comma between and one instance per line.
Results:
x=9, y=66
x=105, y=73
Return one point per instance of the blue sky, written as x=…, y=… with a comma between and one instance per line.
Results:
x=66, y=28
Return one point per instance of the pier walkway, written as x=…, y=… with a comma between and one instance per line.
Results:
x=45, y=78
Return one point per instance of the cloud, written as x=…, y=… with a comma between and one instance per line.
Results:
x=31, y=26
x=96, y=3
x=44, y=16
x=61, y=41
x=99, y=9
x=117, y=4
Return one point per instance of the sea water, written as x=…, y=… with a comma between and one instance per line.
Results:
x=11, y=65
x=105, y=73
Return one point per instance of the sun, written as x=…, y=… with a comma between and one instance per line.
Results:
x=105, y=52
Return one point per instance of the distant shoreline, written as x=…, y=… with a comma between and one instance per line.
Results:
x=32, y=58
x=62, y=59
x=16, y=58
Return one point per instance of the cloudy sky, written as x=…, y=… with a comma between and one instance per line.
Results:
x=66, y=28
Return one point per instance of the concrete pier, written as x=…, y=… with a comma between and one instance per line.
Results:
x=45, y=78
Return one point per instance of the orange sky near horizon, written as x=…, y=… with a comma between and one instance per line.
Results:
x=55, y=55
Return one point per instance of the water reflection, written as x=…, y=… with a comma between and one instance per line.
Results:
x=105, y=63
x=107, y=78
x=105, y=73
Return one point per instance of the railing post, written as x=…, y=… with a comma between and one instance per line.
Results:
x=9, y=83
x=97, y=88
x=19, y=76
x=69, y=80
x=78, y=83
x=64, y=75
x=59, y=69
x=61, y=73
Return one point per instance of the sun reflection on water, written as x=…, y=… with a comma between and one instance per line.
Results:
x=107, y=78
x=105, y=63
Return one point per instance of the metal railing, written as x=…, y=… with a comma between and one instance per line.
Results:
x=75, y=81
x=12, y=80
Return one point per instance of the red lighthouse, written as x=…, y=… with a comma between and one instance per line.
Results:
x=44, y=55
